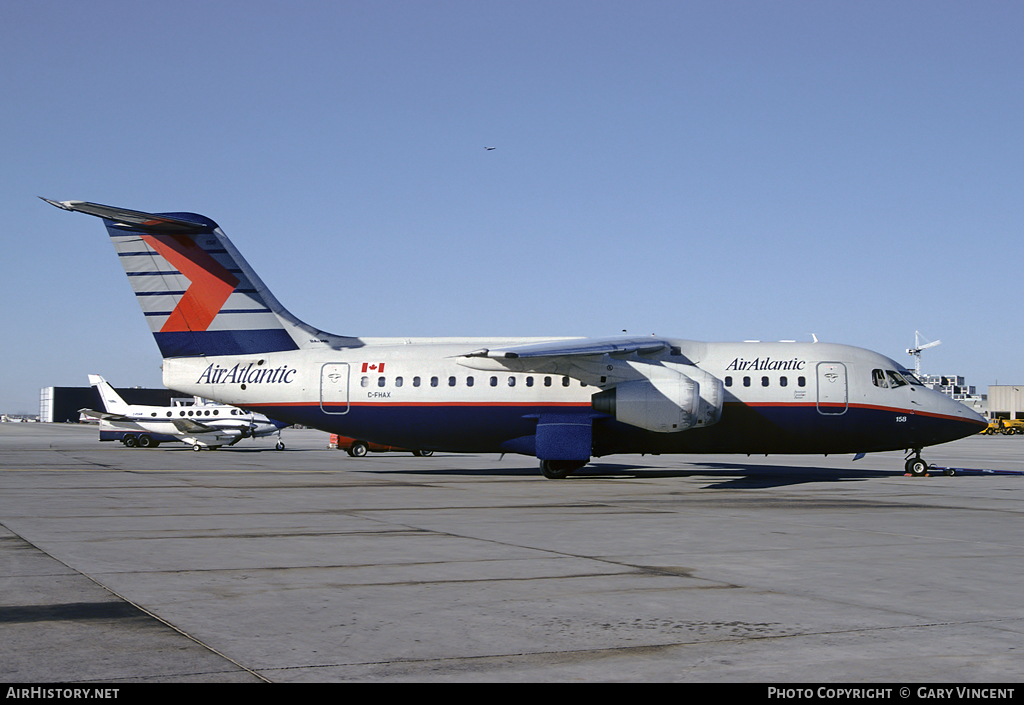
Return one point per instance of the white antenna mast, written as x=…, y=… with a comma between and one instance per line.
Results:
x=916, y=350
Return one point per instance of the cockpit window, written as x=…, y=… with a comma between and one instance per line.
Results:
x=911, y=377
x=895, y=379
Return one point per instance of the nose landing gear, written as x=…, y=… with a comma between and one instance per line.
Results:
x=916, y=466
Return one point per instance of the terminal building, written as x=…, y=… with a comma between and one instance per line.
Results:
x=1003, y=401
x=1006, y=401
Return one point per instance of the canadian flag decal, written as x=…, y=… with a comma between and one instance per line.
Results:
x=373, y=367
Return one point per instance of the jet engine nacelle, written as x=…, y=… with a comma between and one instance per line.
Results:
x=666, y=403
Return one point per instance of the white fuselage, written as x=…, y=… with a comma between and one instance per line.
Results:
x=779, y=397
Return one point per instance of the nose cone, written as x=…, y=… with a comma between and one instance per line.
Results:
x=942, y=419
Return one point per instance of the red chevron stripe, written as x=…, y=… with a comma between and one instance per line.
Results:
x=211, y=285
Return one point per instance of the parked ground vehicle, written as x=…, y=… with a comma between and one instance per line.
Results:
x=358, y=448
x=1006, y=427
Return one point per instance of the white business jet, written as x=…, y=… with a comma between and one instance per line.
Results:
x=200, y=425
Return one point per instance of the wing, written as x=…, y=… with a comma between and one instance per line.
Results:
x=584, y=359
x=192, y=426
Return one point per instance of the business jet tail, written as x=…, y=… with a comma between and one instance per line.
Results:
x=111, y=400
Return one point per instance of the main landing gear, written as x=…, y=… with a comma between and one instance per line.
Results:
x=560, y=469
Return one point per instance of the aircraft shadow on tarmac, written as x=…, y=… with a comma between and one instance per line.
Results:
x=721, y=475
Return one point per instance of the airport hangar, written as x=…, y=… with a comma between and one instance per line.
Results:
x=62, y=404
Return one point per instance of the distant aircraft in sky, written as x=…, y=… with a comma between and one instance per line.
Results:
x=199, y=425
x=488, y=148
x=224, y=336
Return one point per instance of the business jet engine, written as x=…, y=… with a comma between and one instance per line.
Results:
x=668, y=401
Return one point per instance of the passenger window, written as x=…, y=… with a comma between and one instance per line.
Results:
x=878, y=378
x=494, y=381
x=398, y=381
x=547, y=381
x=783, y=382
x=728, y=381
x=381, y=381
x=364, y=382
x=801, y=381
x=529, y=381
x=415, y=381
x=746, y=381
x=764, y=381
x=451, y=381
x=433, y=381
x=565, y=381
x=469, y=381
x=511, y=381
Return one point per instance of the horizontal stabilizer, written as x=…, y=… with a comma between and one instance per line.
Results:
x=106, y=416
x=146, y=222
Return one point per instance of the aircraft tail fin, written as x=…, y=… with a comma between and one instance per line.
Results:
x=111, y=400
x=197, y=292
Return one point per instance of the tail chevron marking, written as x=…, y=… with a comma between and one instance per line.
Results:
x=211, y=282
x=198, y=294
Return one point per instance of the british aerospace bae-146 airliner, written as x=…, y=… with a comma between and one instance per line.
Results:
x=224, y=336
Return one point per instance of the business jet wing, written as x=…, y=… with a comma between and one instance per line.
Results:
x=572, y=357
x=193, y=426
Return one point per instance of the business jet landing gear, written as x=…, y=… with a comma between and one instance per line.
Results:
x=916, y=466
x=560, y=469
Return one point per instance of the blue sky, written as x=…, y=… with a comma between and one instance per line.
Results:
x=723, y=170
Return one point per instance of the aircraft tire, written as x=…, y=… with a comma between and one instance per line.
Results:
x=423, y=453
x=359, y=449
x=559, y=469
x=196, y=448
x=279, y=446
x=129, y=441
x=145, y=441
x=917, y=467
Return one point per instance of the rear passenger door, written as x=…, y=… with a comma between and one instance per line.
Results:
x=334, y=387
